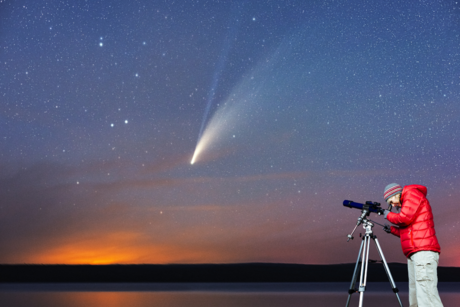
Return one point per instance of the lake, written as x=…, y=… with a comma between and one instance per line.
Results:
x=207, y=294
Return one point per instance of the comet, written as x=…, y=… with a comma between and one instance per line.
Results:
x=234, y=117
x=217, y=126
x=251, y=108
x=230, y=37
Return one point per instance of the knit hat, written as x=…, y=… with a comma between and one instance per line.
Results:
x=391, y=190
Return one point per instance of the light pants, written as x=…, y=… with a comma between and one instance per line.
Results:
x=423, y=279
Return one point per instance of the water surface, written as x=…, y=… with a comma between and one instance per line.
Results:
x=207, y=294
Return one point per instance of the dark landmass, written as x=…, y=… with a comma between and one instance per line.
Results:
x=203, y=273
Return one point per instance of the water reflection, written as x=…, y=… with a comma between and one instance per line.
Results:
x=46, y=296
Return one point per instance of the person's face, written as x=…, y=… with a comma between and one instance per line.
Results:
x=395, y=201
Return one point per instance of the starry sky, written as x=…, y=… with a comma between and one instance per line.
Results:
x=294, y=106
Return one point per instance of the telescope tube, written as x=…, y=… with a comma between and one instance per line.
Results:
x=352, y=204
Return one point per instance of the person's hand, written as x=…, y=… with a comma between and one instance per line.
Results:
x=385, y=213
x=387, y=228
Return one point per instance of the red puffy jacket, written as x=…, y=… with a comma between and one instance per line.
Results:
x=415, y=221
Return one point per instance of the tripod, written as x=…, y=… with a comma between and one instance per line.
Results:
x=364, y=254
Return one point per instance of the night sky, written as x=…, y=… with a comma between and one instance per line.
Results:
x=293, y=106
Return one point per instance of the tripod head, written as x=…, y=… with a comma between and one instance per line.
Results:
x=367, y=224
x=366, y=210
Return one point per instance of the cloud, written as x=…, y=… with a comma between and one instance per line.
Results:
x=45, y=207
x=50, y=218
x=51, y=213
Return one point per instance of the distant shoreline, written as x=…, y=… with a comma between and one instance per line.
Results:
x=203, y=273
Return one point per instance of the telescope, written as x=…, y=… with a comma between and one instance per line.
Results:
x=368, y=206
x=363, y=254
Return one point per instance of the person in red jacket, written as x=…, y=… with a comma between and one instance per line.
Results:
x=415, y=227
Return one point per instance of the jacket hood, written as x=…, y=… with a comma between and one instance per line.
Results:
x=420, y=188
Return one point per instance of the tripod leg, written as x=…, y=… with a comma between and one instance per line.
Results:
x=352, y=289
x=387, y=270
x=364, y=262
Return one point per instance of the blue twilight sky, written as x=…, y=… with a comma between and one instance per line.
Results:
x=293, y=106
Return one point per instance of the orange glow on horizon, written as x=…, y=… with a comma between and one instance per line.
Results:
x=219, y=241
x=125, y=248
x=96, y=256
